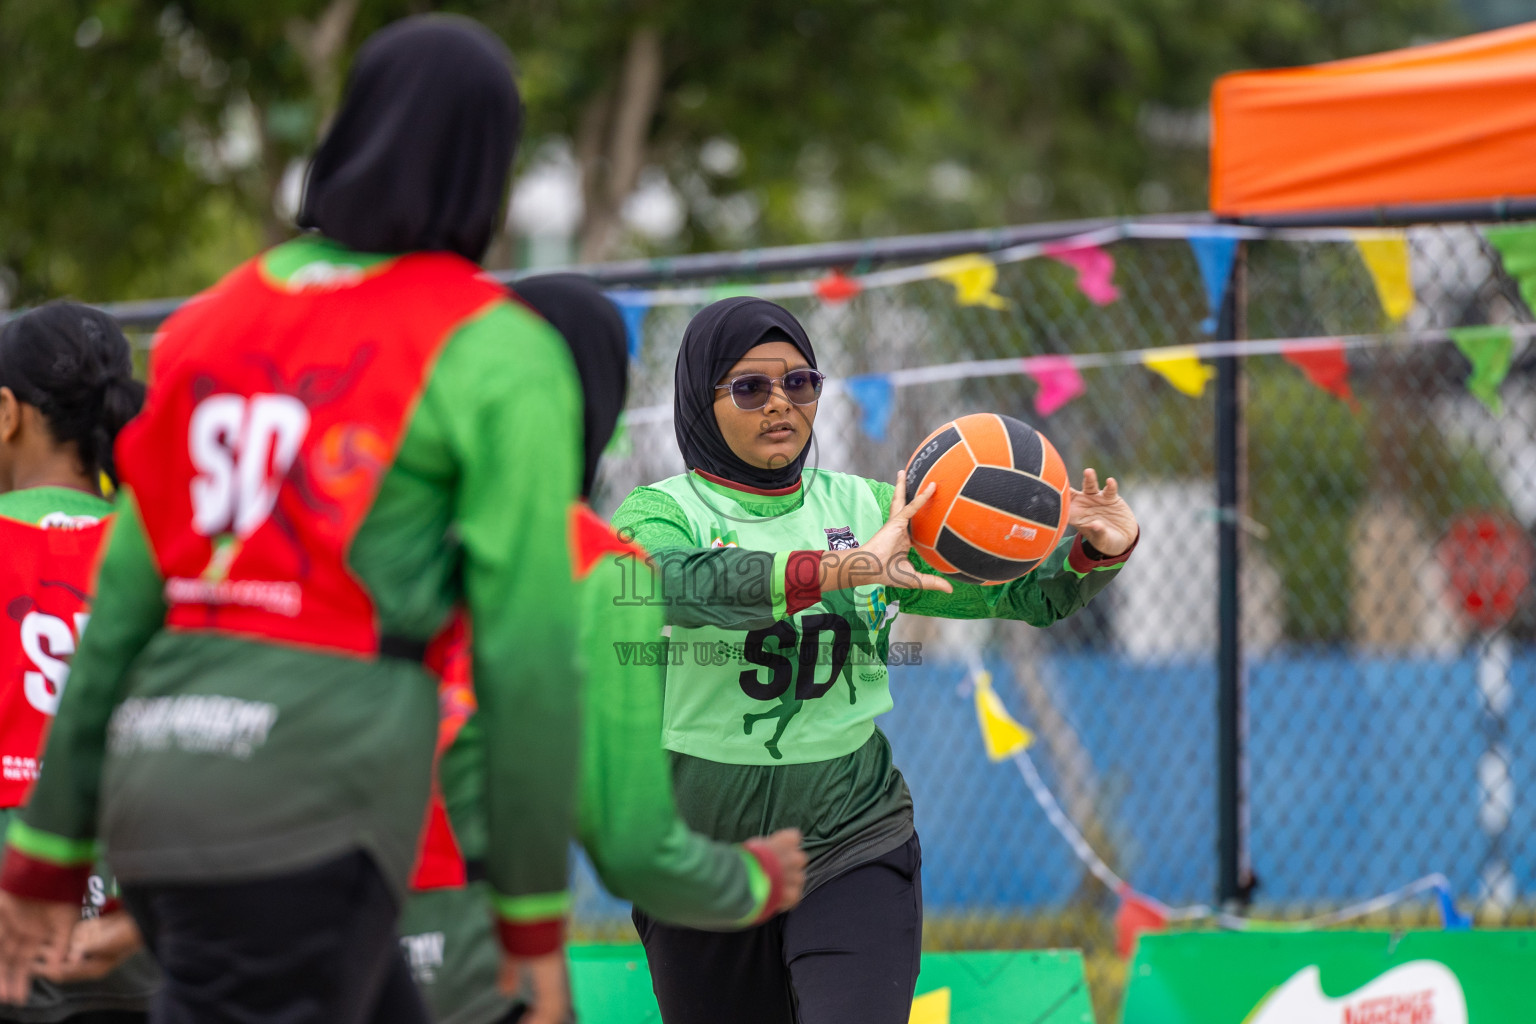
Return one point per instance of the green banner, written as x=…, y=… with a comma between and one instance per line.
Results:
x=1333, y=978
x=613, y=986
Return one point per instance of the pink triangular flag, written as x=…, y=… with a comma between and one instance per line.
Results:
x=1095, y=270
x=1059, y=382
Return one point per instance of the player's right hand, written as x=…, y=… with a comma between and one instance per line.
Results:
x=784, y=847
x=543, y=981
x=97, y=947
x=884, y=559
x=34, y=938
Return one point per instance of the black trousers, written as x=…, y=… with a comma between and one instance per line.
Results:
x=314, y=947
x=848, y=952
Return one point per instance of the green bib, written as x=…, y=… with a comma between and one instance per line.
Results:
x=808, y=687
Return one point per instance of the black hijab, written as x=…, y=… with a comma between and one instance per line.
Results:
x=421, y=149
x=590, y=323
x=716, y=338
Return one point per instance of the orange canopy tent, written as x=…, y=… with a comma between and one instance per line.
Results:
x=1448, y=123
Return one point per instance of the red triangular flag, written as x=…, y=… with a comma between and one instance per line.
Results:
x=1137, y=914
x=1324, y=366
x=837, y=287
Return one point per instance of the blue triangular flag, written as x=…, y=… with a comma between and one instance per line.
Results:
x=1451, y=918
x=875, y=393
x=1215, y=254
x=633, y=305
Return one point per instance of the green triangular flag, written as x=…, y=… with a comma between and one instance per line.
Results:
x=1489, y=349
x=730, y=291
x=619, y=446
x=1517, y=248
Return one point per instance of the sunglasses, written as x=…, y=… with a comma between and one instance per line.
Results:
x=751, y=391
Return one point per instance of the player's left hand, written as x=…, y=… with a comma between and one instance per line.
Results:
x=1101, y=516
x=34, y=937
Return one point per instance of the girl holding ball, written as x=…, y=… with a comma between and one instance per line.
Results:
x=804, y=571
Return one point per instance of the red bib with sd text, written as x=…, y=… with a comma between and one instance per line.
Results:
x=274, y=411
x=46, y=578
x=439, y=860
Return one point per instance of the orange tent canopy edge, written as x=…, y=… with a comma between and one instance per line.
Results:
x=1447, y=122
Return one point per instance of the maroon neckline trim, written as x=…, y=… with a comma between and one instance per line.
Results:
x=733, y=485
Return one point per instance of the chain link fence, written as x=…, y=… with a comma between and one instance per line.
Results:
x=1383, y=728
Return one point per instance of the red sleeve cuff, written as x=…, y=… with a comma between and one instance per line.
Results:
x=35, y=879
x=531, y=938
x=771, y=868
x=802, y=580
x=1082, y=562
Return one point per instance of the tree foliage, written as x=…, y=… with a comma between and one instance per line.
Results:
x=137, y=135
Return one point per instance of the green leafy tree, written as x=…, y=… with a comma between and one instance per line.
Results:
x=95, y=174
x=142, y=142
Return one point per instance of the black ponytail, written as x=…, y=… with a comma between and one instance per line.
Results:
x=73, y=364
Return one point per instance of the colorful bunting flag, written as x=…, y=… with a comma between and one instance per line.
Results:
x=1451, y=919
x=837, y=287
x=1489, y=349
x=1325, y=366
x=633, y=305
x=931, y=1007
x=1058, y=380
x=1182, y=368
x=1517, y=248
x=1003, y=736
x=1215, y=254
x=1137, y=914
x=1095, y=270
x=974, y=276
x=874, y=394
x=1386, y=257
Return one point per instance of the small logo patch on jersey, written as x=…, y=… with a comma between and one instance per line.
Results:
x=324, y=274
x=840, y=538
x=874, y=609
x=64, y=521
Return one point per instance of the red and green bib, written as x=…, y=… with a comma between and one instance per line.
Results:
x=46, y=580
x=275, y=408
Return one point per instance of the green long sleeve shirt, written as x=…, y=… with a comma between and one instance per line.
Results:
x=854, y=807
x=201, y=757
x=628, y=822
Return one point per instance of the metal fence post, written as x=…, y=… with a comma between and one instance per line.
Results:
x=1234, y=876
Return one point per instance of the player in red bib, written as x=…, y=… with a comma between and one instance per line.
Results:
x=66, y=388
x=345, y=439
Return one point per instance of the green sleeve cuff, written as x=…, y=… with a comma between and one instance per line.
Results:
x=45, y=846
x=537, y=907
x=760, y=887
x=780, y=599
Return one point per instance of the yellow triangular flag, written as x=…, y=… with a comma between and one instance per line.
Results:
x=931, y=1007
x=974, y=276
x=1182, y=368
x=1003, y=736
x=1386, y=257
